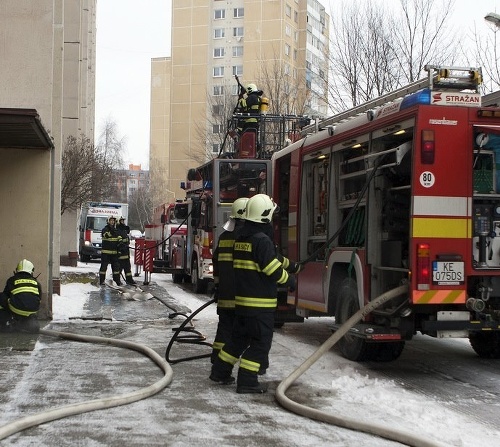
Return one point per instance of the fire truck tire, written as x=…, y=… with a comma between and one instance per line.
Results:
x=351, y=347
x=177, y=278
x=486, y=345
x=199, y=285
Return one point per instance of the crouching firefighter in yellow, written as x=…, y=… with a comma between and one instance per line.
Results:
x=257, y=271
x=20, y=299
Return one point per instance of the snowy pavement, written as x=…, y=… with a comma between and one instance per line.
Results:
x=192, y=410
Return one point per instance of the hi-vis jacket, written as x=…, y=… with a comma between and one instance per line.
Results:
x=257, y=271
x=110, y=239
x=223, y=269
x=23, y=294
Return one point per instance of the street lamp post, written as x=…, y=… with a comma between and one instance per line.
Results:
x=493, y=18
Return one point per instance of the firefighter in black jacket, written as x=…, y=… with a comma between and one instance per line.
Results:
x=224, y=276
x=20, y=299
x=109, y=252
x=124, y=250
x=257, y=271
x=250, y=104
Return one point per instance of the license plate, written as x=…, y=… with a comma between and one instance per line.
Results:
x=447, y=273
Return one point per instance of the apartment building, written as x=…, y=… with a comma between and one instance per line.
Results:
x=129, y=182
x=48, y=67
x=280, y=45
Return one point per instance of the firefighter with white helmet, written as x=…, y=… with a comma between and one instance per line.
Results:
x=124, y=250
x=224, y=276
x=250, y=104
x=109, y=251
x=257, y=272
x=20, y=299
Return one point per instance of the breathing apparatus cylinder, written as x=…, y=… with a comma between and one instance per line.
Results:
x=264, y=105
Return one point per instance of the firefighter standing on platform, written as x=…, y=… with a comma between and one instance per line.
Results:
x=224, y=276
x=257, y=271
x=250, y=104
x=124, y=250
x=109, y=252
x=20, y=299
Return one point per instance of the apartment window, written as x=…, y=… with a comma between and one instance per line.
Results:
x=296, y=16
x=218, y=72
x=237, y=70
x=215, y=148
x=218, y=90
x=288, y=30
x=287, y=49
x=238, y=51
x=218, y=52
x=219, y=33
x=288, y=10
x=219, y=14
x=235, y=90
x=217, y=128
x=238, y=13
x=217, y=109
x=238, y=31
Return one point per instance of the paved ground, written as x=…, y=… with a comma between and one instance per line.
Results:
x=190, y=411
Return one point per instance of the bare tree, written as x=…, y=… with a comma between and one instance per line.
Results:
x=158, y=183
x=486, y=54
x=140, y=208
x=86, y=173
x=111, y=144
x=375, y=50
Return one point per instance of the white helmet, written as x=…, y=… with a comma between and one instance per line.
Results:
x=238, y=208
x=260, y=209
x=25, y=266
x=251, y=88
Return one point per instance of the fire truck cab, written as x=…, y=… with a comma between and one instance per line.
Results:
x=404, y=190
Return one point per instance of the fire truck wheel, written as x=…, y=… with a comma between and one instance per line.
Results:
x=177, y=277
x=486, y=345
x=352, y=347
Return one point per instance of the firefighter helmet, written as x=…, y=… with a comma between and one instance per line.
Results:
x=251, y=88
x=111, y=217
x=238, y=208
x=25, y=266
x=260, y=209
x=121, y=218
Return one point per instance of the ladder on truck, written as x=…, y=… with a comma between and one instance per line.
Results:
x=445, y=78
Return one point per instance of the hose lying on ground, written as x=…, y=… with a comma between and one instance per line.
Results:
x=97, y=404
x=402, y=436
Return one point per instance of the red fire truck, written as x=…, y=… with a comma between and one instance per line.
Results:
x=403, y=190
x=211, y=189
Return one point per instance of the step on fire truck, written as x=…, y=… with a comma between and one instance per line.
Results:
x=242, y=170
x=403, y=190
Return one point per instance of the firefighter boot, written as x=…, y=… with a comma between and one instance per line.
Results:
x=116, y=279
x=221, y=372
x=102, y=278
x=248, y=383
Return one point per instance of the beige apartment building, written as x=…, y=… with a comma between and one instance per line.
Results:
x=47, y=51
x=280, y=45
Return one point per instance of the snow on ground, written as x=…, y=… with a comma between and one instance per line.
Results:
x=341, y=386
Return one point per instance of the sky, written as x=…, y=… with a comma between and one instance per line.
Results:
x=131, y=33
x=344, y=389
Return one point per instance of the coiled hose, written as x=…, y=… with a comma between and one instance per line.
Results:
x=402, y=436
x=97, y=404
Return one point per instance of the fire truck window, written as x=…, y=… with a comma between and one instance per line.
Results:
x=493, y=147
x=314, y=202
x=241, y=180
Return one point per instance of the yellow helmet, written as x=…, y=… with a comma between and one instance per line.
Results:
x=25, y=266
x=260, y=209
x=238, y=208
x=251, y=88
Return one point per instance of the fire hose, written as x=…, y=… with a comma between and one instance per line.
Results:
x=97, y=404
x=393, y=434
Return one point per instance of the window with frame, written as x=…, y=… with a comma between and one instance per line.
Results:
x=219, y=33
x=237, y=70
x=288, y=10
x=219, y=52
x=218, y=90
x=217, y=109
x=288, y=30
x=238, y=51
x=215, y=148
x=238, y=13
x=219, y=14
x=218, y=72
x=287, y=49
x=217, y=128
x=238, y=31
